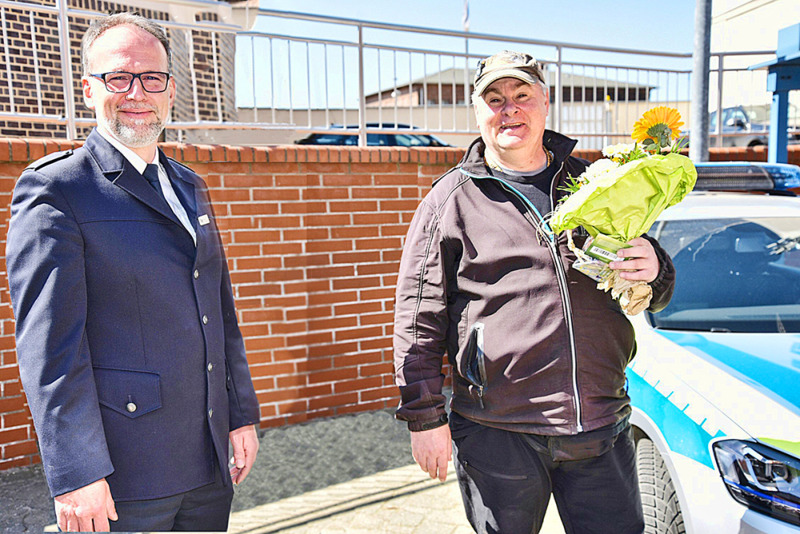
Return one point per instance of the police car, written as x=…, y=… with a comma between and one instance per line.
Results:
x=715, y=383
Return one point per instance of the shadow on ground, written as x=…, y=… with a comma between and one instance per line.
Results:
x=296, y=459
x=291, y=461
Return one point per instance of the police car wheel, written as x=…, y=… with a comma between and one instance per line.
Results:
x=662, y=512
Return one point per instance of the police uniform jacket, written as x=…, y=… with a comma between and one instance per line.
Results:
x=129, y=349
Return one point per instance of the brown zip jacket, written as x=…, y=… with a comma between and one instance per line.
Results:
x=534, y=345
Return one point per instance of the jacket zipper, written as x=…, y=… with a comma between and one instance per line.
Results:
x=552, y=246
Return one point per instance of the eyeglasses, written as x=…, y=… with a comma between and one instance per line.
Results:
x=121, y=82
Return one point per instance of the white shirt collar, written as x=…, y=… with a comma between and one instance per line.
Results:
x=138, y=163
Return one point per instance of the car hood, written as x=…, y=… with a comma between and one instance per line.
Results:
x=764, y=396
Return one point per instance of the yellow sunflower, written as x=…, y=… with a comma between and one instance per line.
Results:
x=658, y=126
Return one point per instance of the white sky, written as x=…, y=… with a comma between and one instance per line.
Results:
x=626, y=24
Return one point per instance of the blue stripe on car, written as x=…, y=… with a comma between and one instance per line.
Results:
x=683, y=435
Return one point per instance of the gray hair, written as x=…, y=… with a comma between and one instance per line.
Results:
x=100, y=25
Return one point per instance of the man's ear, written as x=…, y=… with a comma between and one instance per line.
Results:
x=88, y=97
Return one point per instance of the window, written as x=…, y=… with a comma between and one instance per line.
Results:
x=733, y=275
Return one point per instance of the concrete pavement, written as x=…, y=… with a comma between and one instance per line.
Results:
x=397, y=501
x=349, y=474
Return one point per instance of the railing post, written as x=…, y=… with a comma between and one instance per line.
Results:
x=467, y=101
x=720, y=73
x=192, y=73
x=66, y=69
x=559, y=91
x=362, y=106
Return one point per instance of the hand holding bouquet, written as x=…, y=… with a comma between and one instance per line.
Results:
x=618, y=198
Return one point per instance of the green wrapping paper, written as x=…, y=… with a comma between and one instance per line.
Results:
x=625, y=201
x=617, y=204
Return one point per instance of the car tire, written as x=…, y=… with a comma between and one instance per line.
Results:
x=662, y=512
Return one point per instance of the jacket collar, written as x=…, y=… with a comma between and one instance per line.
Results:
x=473, y=162
x=119, y=171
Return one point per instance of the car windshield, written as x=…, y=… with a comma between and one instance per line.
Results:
x=733, y=275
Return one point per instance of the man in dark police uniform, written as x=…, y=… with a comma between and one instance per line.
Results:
x=129, y=349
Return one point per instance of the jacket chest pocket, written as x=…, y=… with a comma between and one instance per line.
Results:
x=130, y=393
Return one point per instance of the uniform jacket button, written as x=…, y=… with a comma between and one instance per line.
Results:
x=131, y=407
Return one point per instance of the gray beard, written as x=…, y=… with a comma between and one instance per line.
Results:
x=144, y=135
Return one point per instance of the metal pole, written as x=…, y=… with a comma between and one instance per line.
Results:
x=362, y=107
x=559, y=90
x=718, y=116
x=66, y=69
x=466, y=81
x=698, y=148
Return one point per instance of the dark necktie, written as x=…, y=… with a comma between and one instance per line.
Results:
x=151, y=173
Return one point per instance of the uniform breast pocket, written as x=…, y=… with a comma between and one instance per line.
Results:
x=128, y=392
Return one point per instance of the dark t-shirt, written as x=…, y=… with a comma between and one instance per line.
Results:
x=536, y=188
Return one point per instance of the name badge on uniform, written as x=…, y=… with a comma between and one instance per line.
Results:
x=203, y=220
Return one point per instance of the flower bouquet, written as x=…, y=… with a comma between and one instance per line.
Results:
x=618, y=198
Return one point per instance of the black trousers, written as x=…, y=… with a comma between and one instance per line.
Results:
x=206, y=508
x=506, y=479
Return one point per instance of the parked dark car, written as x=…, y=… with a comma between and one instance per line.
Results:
x=407, y=139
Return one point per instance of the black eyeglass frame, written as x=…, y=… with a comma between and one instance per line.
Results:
x=102, y=78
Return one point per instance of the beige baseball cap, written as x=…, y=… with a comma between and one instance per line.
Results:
x=508, y=64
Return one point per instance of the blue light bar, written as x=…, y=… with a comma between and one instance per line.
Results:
x=748, y=176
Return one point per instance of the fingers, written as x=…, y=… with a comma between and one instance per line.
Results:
x=432, y=449
x=111, y=510
x=442, y=466
x=238, y=474
x=435, y=467
x=639, y=261
x=83, y=519
x=239, y=456
x=86, y=509
x=67, y=521
x=245, y=449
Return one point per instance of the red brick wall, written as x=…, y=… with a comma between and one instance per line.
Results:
x=313, y=237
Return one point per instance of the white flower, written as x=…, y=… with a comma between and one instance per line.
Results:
x=599, y=168
x=618, y=150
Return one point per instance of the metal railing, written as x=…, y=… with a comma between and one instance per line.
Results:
x=324, y=73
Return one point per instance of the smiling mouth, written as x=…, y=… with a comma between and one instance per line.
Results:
x=510, y=126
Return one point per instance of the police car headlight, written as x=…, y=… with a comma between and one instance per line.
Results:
x=761, y=478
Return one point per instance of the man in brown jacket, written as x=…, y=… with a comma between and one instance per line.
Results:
x=539, y=403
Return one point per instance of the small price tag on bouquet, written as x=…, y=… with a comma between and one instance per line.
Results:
x=599, y=252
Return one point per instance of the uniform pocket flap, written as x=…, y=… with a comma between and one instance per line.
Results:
x=131, y=393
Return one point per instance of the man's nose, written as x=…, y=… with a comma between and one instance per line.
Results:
x=136, y=92
x=510, y=107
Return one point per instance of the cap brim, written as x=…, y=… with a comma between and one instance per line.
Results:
x=490, y=78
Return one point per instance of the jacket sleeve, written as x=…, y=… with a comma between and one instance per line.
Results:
x=664, y=284
x=242, y=400
x=420, y=323
x=45, y=259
